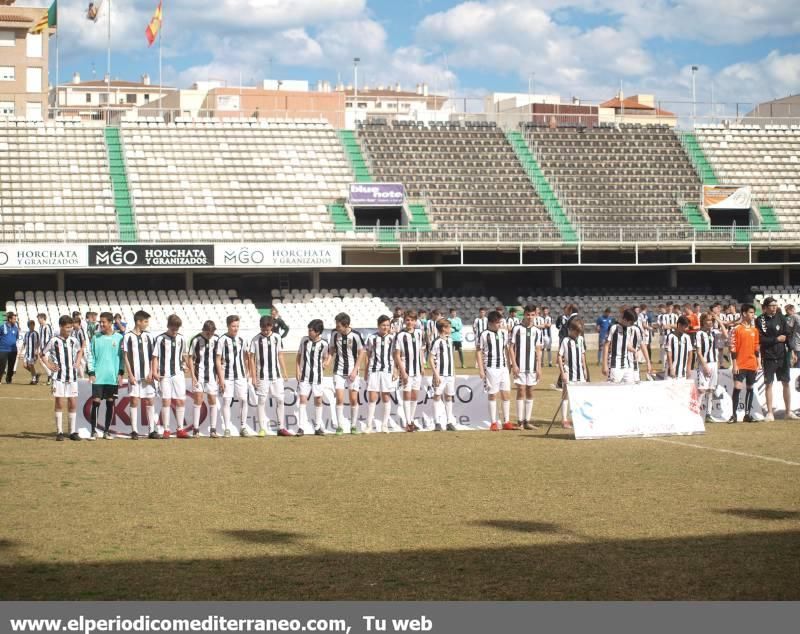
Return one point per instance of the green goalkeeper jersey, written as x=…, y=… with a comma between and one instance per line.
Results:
x=104, y=358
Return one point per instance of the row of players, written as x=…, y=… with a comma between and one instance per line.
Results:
x=225, y=366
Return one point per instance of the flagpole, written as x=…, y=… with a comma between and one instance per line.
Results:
x=160, y=85
x=108, y=69
x=57, y=59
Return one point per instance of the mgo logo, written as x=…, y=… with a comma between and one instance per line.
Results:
x=115, y=256
x=243, y=255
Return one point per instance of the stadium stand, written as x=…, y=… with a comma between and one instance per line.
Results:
x=610, y=175
x=251, y=179
x=765, y=157
x=193, y=307
x=55, y=170
x=784, y=295
x=467, y=174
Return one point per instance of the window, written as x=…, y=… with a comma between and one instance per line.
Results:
x=34, y=111
x=88, y=97
x=7, y=73
x=7, y=38
x=6, y=107
x=34, y=79
x=33, y=43
x=130, y=98
x=146, y=98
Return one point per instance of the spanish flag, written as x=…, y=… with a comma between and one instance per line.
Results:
x=47, y=20
x=151, y=32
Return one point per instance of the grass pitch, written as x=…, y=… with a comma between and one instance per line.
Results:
x=511, y=515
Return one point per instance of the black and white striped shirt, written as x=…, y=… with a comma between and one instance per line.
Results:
x=479, y=325
x=45, y=335
x=138, y=349
x=267, y=350
x=636, y=338
x=312, y=358
x=572, y=352
x=525, y=341
x=31, y=343
x=643, y=322
x=397, y=325
x=512, y=322
x=430, y=331
x=544, y=324
x=493, y=346
x=80, y=336
x=346, y=349
x=63, y=353
x=202, y=352
x=170, y=352
x=679, y=347
x=705, y=343
x=380, y=351
x=619, y=338
x=442, y=356
x=231, y=350
x=410, y=346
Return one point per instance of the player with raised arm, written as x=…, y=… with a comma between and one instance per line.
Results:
x=443, y=379
x=310, y=364
x=137, y=346
x=346, y=345
x=169, y=359
x=232, y=374
x=201, y=362
x=408, y=358
x=493, y=370
x=62, y=356
x=379, y=372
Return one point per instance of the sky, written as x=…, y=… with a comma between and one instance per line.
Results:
x=747, y=51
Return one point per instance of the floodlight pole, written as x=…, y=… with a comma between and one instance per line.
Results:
x=694, y=94
x=356, y=60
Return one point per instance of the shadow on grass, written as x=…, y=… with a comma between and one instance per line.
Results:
x=5, y=544
x=762, y=514
x=31, y=435
x=756, y=566
x=521, y=526
x=265, y=536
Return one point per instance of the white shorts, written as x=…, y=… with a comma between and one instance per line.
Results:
x=381, y=382
x=627, y=376
x=707, y=382
x=306, y=389
x=173, y=387
x=65, y=390
x=142, y=390
x=527, y=379
x=497, y=380
x=546, y=342
x=235, y=388
x=211, y=388
x=270, y=388
x=30, y=360
x=447, y=386
x=413, y=383
x=344, y=383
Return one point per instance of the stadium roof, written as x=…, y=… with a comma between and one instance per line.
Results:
x=632, y=104
x=116, y=83
x=17, y=17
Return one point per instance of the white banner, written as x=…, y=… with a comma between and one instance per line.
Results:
x=727, y=197
x=43, y=256
x=470, y=410
x=285, y=254
x=654, y=408
x=721, y=407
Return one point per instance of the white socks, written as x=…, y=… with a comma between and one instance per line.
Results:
x=353, y=416
x=340, y=415
x=448, y=411
x=529, y=410
x=60, y=422
x=506, y=411
x=196, y=416
x=371, y=415
x=73, y=422
x=302, y=415
x=226, y=414
x=212, y=417
x=281, y=407
x=437, y=412
x=262, y=412
x=318, y=422
x=564, y=409
x=243, y=412
x=521, y=410
x=135, y=418
x=151, y=417
x=180, y=410
x=387, y=410
x=492, y=411
x=165, y=418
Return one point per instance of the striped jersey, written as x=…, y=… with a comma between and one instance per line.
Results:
x=410, y=346
x=620, y=339
x=45, y=335
x=170, y=352
x=572, y=351
x=479, y=325
x=312, y=358
x=231, y=350
x=442, y=356
x=430, y=331
x=512, y=322
x=31, y=343
x=679, y=347
x=80, y=335
x=525, y=341
x=346, y=349
x=381, y=351
x=544, y=323
x=397, y=325
x=267, y=349
x=705, y=344
x=138, y=350
x=644, y=322
x=202, y=352
x=493, y=346
x=63, y=353
x=636, y=338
